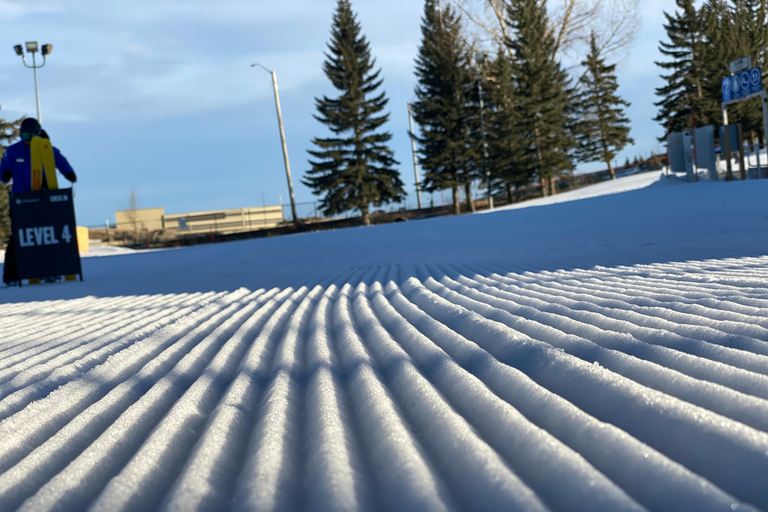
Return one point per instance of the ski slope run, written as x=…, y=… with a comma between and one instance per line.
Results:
x=404, y=377
x=433, y=388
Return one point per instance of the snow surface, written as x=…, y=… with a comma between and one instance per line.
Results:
x=603, y=350
x=95, y=251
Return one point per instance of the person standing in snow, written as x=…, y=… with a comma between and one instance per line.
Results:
x=16, y=166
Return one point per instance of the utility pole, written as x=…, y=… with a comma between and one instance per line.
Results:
x=415, y=158
x=480, y=59
x=282, y=139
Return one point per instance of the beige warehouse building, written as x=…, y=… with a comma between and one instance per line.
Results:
x=236, y=220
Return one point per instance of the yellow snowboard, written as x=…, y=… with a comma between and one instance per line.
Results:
x=42, y=161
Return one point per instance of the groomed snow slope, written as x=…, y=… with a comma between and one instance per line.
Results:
x=603, y=354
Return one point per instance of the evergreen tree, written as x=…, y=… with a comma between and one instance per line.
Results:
x=542, y=102
x=732, y=29
x=9, y=131
x=603, y=129
x=720, y=40
x=354, y=168
x=686, y=51
x=506, y=155
x=445, y=111
x=750, y=26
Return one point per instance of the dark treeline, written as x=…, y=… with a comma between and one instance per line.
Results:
x=701, y=42
x=536, y=123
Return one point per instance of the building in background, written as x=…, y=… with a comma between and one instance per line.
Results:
x=216, y=221
x=149, y=219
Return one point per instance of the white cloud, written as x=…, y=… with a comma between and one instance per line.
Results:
x=137, y=49
x=17, y=8
x=160, y=58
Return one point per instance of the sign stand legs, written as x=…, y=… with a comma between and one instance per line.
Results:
x=742, y=166
x=765, y=126
x=726, y=144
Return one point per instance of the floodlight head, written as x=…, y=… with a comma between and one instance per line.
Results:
x=47, y=49
x=256, y=64
x=19, y=50
x=32, y=47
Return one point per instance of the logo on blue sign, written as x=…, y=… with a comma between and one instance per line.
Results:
x=739, y=86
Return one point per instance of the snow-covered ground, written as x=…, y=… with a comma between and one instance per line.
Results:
x=605, y=353
x=627, y=184
x=95, y=251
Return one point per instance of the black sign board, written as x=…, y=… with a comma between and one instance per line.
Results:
x=45, y=234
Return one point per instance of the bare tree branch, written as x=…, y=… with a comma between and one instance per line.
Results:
x=561, y=35
x=498, y=33
x=614, y=22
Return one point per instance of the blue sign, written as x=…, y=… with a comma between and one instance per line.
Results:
x=741, y=85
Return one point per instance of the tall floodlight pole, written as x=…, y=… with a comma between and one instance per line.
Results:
x=415, y=157
x=480, y=60
x=33, y=48
x=282, y=138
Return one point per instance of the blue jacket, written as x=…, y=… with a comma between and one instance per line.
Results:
x=17, y=160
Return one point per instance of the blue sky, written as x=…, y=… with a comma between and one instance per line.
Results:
x=159, y=95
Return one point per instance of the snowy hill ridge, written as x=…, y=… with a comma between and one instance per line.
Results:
x=589, y=364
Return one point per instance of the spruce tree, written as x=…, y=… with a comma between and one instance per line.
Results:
x=720, y=40
x=543, y=97
x=687, y=56
x=9, y=131
x=444, y=110
x=750, y=26
x=732, y=29
x=355, y=168
x=506, y=154
x=603, y=128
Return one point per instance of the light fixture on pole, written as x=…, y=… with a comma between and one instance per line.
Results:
x=479, y=61
x=282, y=138
x=33, y=48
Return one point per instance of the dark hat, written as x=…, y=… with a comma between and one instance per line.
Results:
x=31, y=126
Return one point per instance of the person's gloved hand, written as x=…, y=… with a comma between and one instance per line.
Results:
x=7, y=175
x=71, y=177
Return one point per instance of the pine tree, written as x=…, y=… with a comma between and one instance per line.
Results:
x=9, y=131
x=506, y=155
x=750, y=26
x=686, y=51
x=603, y=128
x=445, y=111
x=355, y=168
x=731, y=29
x=720, y=40
x=542, y=101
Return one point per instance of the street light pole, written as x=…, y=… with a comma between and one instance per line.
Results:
x=33, y=48
x=415, y=158
x=282, y=138
x=480, y=58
